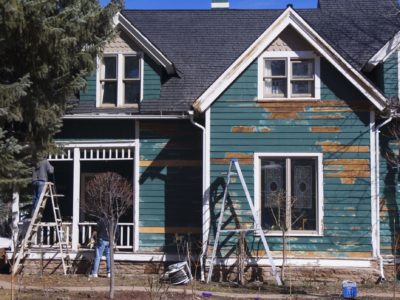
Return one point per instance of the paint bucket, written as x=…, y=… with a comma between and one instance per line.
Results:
x=179, y=273
x=349, y=289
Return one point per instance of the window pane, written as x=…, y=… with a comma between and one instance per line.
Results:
x=131, y=67
x=132, y=91
x=110, y=67
x=110, y=93
x=303, y=88
x=275, y=68
x=303, y=68
x=304, y=194
x=273, y=196
x=275, y=87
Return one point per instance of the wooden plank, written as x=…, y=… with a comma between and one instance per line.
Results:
x=170, y=163
x=163, y=230
x=325, y=129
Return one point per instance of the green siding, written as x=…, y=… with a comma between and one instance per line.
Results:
x=389, y=195
x=151, y=80
x=170, y=182
x=97, y=130
x=390, y=76
x=385, y=76
x=241, y=126
x=89, y=93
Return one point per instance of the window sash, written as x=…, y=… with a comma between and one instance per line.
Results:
x=286, y=91
x=295, y=213
x=127, y=83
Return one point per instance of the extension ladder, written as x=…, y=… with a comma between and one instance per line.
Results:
x=48, y=192
x=257, y=226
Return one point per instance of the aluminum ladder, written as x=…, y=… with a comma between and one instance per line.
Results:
x=48, y=192
x=257, y=226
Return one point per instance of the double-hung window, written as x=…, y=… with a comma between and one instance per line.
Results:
x=288, y=192
x=120, y=81
x=288, y=75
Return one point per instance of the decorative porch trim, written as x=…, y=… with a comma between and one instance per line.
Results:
x=289, y=18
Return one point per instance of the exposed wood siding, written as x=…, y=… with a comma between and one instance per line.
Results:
x=170, y=183
x=337, y=126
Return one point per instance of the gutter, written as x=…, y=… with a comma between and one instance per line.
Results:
x=126, y=117
x=377, y=193
x=204, y=175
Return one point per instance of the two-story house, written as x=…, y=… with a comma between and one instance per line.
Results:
x=297, y=95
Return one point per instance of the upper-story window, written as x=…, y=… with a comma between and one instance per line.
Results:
x=120, y=81
x=288, y=75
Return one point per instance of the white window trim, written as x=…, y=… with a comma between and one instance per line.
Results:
x=120, y=78
x=289, y=55
x=320, y=195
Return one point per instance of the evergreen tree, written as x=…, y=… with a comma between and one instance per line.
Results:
x=47, y=48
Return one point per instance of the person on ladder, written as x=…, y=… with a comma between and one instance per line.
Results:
x=39, y=178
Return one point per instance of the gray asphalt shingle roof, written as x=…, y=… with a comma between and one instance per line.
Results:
x=202, y=44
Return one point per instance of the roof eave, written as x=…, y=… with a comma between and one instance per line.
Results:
x=144, y=43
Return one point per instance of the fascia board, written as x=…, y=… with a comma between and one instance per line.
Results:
x=144, y=43
x=288, y=17
x=384, y=53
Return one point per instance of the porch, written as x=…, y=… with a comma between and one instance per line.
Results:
x=75, y=166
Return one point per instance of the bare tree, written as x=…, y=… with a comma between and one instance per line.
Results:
x=281, y=211
x=109, y=196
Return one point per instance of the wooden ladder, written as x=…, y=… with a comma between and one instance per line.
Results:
x=48, y=192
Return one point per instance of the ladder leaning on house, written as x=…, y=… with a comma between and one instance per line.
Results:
x=256, y=228
x=48, y=192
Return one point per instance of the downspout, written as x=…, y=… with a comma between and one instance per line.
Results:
x=205, y=198
x=377, y=193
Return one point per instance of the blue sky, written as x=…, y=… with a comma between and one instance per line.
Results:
x=205, y=4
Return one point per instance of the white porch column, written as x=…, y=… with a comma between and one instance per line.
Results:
x=15, y=216
x=76, y=195
x=136, y=187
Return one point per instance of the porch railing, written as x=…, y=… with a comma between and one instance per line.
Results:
x=46, y=236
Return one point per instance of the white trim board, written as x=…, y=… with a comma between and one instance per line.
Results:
x=384, y=53
x=144, y=257
x=289, y=18
x=144, y=43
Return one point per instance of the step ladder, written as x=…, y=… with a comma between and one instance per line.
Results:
x=257, y=226
x=48, y=192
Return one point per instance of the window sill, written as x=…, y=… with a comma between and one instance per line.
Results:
x=294, y=234
x=287, y=99
x=108, y=106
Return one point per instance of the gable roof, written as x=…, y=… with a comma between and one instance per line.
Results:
x=202, y=44
x=289, y=18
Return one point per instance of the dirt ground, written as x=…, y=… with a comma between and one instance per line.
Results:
x=61, y=287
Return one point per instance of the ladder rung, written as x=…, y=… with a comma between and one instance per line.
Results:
x=238, y=230
x=58, y=195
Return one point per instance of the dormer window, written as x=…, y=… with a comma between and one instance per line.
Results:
x=288, y=75
x=120, y=80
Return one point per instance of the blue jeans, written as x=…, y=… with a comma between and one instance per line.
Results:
x=101, y=247
x=38, y=186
